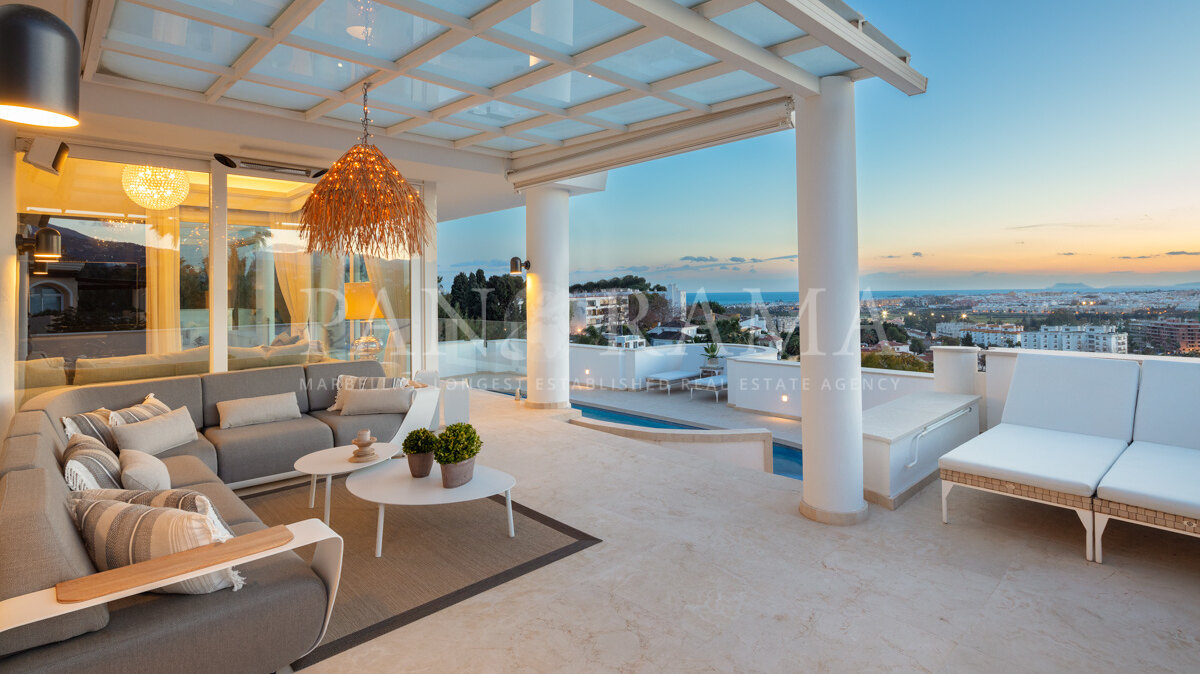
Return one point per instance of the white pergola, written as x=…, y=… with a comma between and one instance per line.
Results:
x=488, y=101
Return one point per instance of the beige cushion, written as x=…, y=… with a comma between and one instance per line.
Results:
x=157, y=434
x=258, y=410
x=120, y=368
x=93, y=424
x=348, y=381
x=119, y=534
x=88, y=464
x=140, y=470
x=376, y=401
x=147, y=409
x=180, y=499
x=41, y=373
x=246, y=357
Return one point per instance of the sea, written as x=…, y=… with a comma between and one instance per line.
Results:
x=793, y=297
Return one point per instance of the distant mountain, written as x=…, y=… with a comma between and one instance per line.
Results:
x=79, y=247
x=1070, y=286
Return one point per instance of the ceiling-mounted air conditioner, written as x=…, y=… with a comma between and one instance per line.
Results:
x=294, y=170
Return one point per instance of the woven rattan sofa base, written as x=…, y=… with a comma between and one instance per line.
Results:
x=1017, y=489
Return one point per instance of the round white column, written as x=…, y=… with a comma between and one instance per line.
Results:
x=830, y=365
x=9, y=269
x=547, y=296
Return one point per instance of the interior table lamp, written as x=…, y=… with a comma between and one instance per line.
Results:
x=362, y=305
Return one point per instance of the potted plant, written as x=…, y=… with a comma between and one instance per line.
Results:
x=419, y=446
x=456, y=450
x=712, y=353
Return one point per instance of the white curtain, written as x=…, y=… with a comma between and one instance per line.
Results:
x=390, y=280
x=162, y=282
x=293, y=273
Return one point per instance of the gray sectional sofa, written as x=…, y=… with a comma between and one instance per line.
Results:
x=281, y=612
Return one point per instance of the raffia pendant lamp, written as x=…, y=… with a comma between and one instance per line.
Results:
x=364, y=206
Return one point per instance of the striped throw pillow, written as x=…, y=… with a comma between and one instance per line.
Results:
x=149, y=408
x=118, y=534
x=93, y=424
x=179, y=499
x=349, y=381
x=88, y=464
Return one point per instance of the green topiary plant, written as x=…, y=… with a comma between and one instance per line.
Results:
x=458, y=442
x=713, y=350
x=421, y=441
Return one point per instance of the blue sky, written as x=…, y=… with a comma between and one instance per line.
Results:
x=1058, y=142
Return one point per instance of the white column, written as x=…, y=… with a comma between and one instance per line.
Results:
x=831, y=398
x=547, y=223
x=8, y=274
x=218, y=269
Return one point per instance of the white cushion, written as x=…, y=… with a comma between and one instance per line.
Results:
x=376, y=401
x=143, y=471
x=673, y=375
x=1166, y=409
x=1076, y=394
x=258, y=410
x=1159, y=477
x=157, y=434
x=1065, y=462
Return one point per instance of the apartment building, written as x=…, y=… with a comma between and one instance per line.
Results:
x=605, y=310
x=985, y=334
x=1085, y=338
x=1169, y=334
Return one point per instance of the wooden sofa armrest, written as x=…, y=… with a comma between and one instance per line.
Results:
x=100, y=588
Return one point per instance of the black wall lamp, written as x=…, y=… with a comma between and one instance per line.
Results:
x=45, y=244
x=515, y=266
x=39, y=68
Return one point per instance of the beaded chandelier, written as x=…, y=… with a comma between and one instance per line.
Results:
x=363, y=205
x=155, y=188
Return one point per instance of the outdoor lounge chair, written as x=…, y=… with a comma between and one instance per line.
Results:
x=1065, y=422
x=1155, y=482
x=716, y=384
x=666, y=380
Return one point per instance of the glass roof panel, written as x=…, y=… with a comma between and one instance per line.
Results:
x=305, y=67
x=507, y=144
x=261, y=12
x=569, y=26
x=481, y=63
x=563, y=129
x=145, y=27
x=724, y=87
x=495, y=113
x=655, y=60
x=273, y=96
x=391, y=33
x=443, y=131
x=637, y=111
x=416, y=94
x=822, y=61
x=464, y=8
x=145, y=70
x=759, y=25
x=352, y=112
x=566, y=90
x=688, y=3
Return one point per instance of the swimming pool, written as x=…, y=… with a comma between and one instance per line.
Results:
x=785, y=458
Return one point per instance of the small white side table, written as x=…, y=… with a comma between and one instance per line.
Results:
x=391, y=483
x=336, y=461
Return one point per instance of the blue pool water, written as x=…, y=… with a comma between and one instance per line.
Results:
x=786, y=458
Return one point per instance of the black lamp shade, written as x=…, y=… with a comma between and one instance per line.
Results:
x=47, y=244
x=39, y=68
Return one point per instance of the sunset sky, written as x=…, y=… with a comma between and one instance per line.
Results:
x=1058, y=142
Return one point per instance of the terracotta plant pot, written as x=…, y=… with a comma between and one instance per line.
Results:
x=458, y=474
x=420, y=464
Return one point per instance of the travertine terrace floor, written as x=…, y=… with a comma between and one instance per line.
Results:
x=706, y=567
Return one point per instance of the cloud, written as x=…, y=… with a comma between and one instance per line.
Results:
x=724, y=266
x=697, y=258
x=1042, y=225
x=1184, y=252
x=637, y=268
x=1067, y=254
x=782, y=257
x=918, y=254
x=889, y=257
x=739, y=260
x=1134, y=257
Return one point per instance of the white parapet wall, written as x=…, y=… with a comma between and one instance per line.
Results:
x=626, y=369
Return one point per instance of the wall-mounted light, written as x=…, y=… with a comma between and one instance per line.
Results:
x=41, y=269
x=516, y=266
x=45, y=244
x=783, y=398
x=39, y=68
x=586, y=371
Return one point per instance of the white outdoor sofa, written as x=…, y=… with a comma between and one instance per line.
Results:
x=1066, y=421
x=715, y=384
x=666, y=380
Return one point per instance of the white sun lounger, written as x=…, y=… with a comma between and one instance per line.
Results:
x=716, y=384
x=666, y=380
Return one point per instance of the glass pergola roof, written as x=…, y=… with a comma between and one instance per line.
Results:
x=500, y=77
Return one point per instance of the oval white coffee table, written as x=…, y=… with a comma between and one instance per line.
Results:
x=390, y=483
x=336, y=461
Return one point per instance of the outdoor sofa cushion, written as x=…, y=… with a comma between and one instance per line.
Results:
x=1159, y=477
x=88, y=464
x=223, y=386
x=382, y=426
x=1071, y=463
x=258, y=410
x=1167, y=399
x=1074, y=394
x=157, y=434
x=673, y=375
x=357, y=402
x=322, y=379
x=249, y=452
x=140, y=470
x=26, y=452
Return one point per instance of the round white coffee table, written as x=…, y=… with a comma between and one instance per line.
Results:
x=390, y=483
x=336, y=461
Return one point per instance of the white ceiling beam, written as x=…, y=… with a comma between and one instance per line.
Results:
x=97, y=25
x=163, y=57
x=429, y=12
x=681, y=23
x=826, y=25
x=281, y=27
x=204, y=16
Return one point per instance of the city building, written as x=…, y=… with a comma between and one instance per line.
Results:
x=1168, y=334
x=671, y=332
x=676, y=300
x=983, y=334
x=604, y=310
x=1087, y=338
x=625, y=341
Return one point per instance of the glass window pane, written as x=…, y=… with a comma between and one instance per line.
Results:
x=655, y=60
x=759, y=25
x=507, y=144
x=305, y=67
x=443, y=131
x=368, y=28
x=352, y=112
x=464, y=8
x=567, y=90
x=563, y=129
x=274, y=96
x=410, y=93
x=822, y=61
x=495, y=113
x=724, y=88
x=145, y=27
x=261, y=12
x=638, y=111
x=481, y=63
x=569, y=26
x=128, y=299
x=145, y=70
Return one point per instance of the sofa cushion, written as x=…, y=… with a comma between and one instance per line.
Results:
x=158, y=434
x=181, y=499
x=140, y=470
x=90, y=465
x=1065, y=462
x=356, y=402
x=188, y=470
x=251, y=452
x=1166, y=404
x=248, y=384
x=144, y=411
x=199, y=448
x=1074, y=394
x=38, y=548
x=37, y=424
x=231, y=508
x=93, y=424
x=1159, y=477
x=26, y=452
x=123, y=368
x=258, y=410
x=175, y=392
x=247, y=357
x=322, y=379
x=348, y=382
x=383, y=426
x=41, y=373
